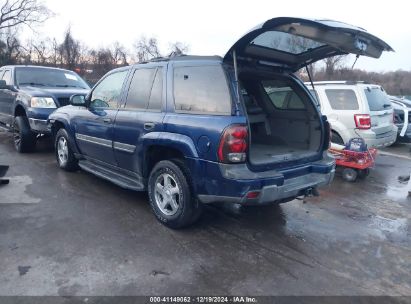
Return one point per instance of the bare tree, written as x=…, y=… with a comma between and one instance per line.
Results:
x=179, y=48
x=119, y=54
x=10, y=47
x=146, y=48
x=41, y=50
x=332, y=64
x=55, y=56
x=18, y=12
x=70, y=50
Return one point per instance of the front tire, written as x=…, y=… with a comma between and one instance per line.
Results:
x=24, y=138
x=64, y=154
x=170, y=195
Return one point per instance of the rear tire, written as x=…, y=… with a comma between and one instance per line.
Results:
x=24, y=138
x=64, y=154
x=349, y=174
x=170, y=194
x=336, y=138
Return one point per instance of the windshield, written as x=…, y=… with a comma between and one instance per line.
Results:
x=377, y=99
x=49, y=78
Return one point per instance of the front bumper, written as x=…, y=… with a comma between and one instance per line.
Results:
x=234, y=184
x=39, y=125
x=38, y=119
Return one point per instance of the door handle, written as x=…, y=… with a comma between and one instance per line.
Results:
x=149, y=126
x=107, y=120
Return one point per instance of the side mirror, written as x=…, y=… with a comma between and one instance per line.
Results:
x=3, y=85
x=78, y=100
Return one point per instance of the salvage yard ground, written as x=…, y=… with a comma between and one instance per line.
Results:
x=75, y=234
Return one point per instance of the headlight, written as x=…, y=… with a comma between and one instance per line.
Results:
x=43, y=102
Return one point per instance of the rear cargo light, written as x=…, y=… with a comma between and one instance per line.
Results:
x=362, y=121
x=233, y=144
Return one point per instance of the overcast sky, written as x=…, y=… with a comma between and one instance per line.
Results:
x=211, y=27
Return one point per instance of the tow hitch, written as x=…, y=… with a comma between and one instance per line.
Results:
x=309, y=192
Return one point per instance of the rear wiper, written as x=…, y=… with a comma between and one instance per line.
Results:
x=33, y=84
x=387, y=105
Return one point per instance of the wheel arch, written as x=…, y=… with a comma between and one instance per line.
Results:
x=19, y=110
x=60, y=123
x=157, y=152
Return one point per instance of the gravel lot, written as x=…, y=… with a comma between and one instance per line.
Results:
x=75, y=234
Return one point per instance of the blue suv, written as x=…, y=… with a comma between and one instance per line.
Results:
x=195, y=130
x=29, y=94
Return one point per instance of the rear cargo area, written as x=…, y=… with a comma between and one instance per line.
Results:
x=283, y=122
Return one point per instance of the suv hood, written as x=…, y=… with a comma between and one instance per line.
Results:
x=296, y=42
x=61, y=95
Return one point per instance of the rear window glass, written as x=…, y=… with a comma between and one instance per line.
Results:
x=342, y=99
x=201, y=89
x=285, y=42
x=283, y=97
x=377, y=99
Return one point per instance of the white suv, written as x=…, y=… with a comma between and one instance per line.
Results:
x=356, y=109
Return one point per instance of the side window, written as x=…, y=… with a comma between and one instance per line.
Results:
x=283, y=97
x=342, y=99
x=139, y=92
x=7, y=77
x=295, y=102
x=108, y=91
x=201, y=89
x=278, y=98
x=156, y=96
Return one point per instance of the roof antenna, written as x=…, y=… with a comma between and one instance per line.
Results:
x=356, y=58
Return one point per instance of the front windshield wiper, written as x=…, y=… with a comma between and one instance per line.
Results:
x=32, y=84
x=68, y=86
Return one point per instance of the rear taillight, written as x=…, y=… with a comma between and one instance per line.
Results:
x=233, y=144
x=362, y=121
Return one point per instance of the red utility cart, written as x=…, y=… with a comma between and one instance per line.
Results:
x=354, y=164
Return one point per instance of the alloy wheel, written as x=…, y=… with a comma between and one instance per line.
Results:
x=62, y=150
x=167, y=194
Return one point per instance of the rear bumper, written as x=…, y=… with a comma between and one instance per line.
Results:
x=273, y=187
x=291, y=188
x=380, y=141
